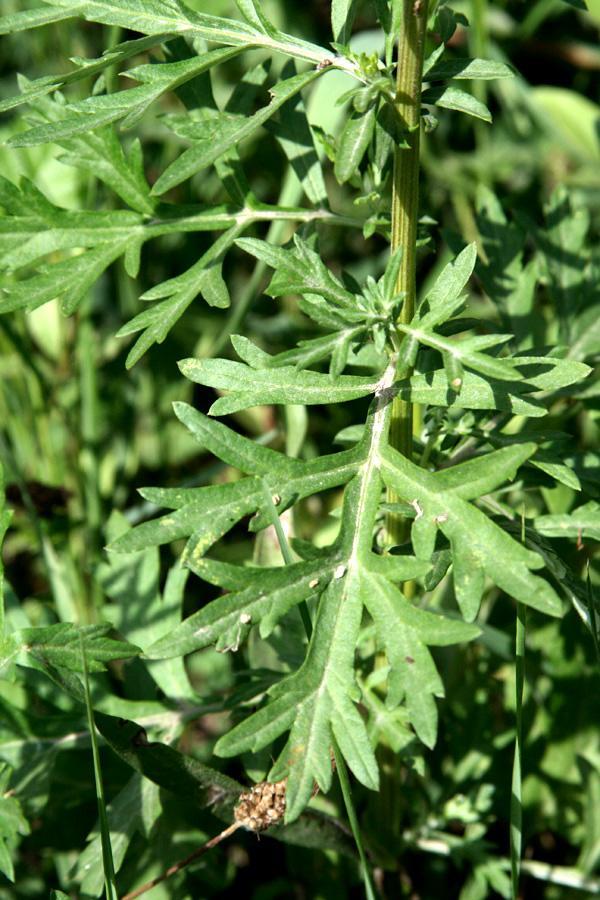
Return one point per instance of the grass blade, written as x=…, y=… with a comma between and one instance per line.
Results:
x=592, y=614
x=516, y=806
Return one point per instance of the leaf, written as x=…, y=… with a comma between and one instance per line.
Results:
x=405, y=632
x=442, y=300
x=168, y=16
x=128, y=105
x=5, y=520
x=479, y=546
x=467, y=68
x=167, y=767
x=261, y=595
x=139, y=799
x=58, y=646
x=299, y=271
x=342, y=18
x=85, y=67
x=317, y=701
x=476, y=392
x=255, y=386
x=12, y=822
x=206, y=514
x=583, y=522
x=354, y=142
x=143, y=614
x=204, y=277
x=295, y=136
x=226, y=132
x=33, y=18
x=538, y=374
x=253, y=12
x=69, y=279
x=453, y=98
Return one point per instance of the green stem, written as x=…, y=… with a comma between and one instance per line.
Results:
x=516, y=808
x=352, y=817
x=107, y=857
x=286, y=553
x=405, y=209
x=89, y=462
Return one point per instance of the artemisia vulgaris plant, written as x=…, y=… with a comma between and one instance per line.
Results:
x=450, y=347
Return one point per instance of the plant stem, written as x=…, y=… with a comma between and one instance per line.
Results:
x=353, y=818
x=184, y=862
x=516, y=808
x=405, y=208
x=107, y=857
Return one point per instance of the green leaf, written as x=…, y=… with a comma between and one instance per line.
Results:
x=467, y=68
x=85, y=67
x=313, y=703
x=167, y=767
x=295, y=136
x=299, y=271
x=583, y=522
x=445, y=297
x=252, y=387
x=476, y=392
x=479, y=546
x=226, y=132
x=58, y=646
x=140, y=612
x=453, y=98
x=204, y=277
x=261, y=595
x=129, y=105
x=5, y=520
x=126, y=812
x=316, y=703
x=215, y=510
x=405, y=632
x=168, y=16
x=538, y=374
x=206, y=514
x=33, y=18
x=69, y=279
x=253, y=12
x=342, y=18
x=12, y=822
x=354, y=143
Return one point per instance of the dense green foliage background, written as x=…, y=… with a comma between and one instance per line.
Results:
x=79, y=435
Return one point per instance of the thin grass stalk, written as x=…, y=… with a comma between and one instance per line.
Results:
x=107, y=857
x=516, y=805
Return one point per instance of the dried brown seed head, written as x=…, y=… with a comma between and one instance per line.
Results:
x=262, y=806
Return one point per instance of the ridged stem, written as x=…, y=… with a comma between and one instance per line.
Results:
x=405, y=209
